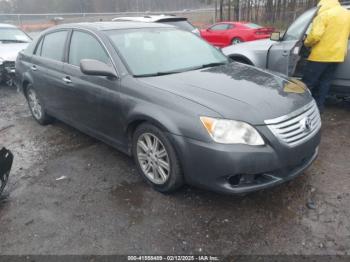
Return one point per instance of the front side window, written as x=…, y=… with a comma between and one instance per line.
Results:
x=298, y=28
x=158, y=51
x=53, y=45
x=85, y=46
x=220, y=27
x=13, y=35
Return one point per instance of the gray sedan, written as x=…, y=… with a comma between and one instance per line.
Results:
x=287, y=55
x=174, y=103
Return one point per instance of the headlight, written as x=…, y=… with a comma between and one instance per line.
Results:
x=232, y=132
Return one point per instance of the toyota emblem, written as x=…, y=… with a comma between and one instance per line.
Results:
x=306, y=125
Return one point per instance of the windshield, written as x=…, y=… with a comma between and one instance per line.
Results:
x=184, y=25
x=13, y=35
x=161, y=51
x=298, y=28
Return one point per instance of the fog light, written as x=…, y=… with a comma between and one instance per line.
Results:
x=235, y=180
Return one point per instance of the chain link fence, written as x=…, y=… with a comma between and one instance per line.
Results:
x=39, y=22
x=200, y=18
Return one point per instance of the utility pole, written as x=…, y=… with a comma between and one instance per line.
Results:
x=216, y=11
x=239, y=10
x=82, y=9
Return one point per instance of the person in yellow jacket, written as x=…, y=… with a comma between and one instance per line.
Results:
x=328, y=40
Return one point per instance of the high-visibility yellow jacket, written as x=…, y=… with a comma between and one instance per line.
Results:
x=330, y=32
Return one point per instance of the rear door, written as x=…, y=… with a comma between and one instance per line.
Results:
x=284, y=55
x=93, y=102
x=47, y=68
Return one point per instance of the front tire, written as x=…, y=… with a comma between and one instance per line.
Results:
x=156, y=159
x=36, y=107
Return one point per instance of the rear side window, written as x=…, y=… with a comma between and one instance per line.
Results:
x=85, y=46
x=53, y=45
x=184, y=25
x=253, y=26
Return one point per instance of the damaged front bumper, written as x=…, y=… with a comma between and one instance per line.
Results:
x=6, y=160
x=7, y=72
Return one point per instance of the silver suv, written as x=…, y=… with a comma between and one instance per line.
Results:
x=179, y=22
x=286, y=54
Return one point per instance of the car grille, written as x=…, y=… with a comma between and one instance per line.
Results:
x=297, y=127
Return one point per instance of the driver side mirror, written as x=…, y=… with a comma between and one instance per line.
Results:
x=96, y=68
x=275, y=36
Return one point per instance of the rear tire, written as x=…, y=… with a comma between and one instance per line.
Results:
x=236, y=41
x=36, y=107
x=156, y=159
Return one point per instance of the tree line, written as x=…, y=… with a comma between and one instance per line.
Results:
x=261, y=11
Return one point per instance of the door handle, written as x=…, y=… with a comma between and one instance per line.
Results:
x=67, y=80
x=34, y=68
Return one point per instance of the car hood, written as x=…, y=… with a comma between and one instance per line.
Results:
x=236, y=91
x=259, y=45
x=9, y=51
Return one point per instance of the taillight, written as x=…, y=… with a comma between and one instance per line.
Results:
x=264, y=31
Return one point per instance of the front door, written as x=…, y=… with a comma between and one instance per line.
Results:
x=217, y=35
x=93, y=102
x=284, y=56
x=341, y=84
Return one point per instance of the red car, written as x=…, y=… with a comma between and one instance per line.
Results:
x=230, y=33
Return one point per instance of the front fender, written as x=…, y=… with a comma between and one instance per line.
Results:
x=172, y=113
x=254, y=51
x=248, y=56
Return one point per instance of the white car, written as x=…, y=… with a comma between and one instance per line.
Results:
x=12, y=41
x=179, y=22
x=286, y=54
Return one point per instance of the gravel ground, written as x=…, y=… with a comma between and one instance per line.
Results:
x=103, y=207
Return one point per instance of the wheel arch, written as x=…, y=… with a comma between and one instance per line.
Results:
x=138, y=119
x=27, y=80
x=238, y=37
x=242, y=59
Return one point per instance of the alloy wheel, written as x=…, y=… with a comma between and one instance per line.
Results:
x=153, y=159
x=34, y=104
x=3, y=182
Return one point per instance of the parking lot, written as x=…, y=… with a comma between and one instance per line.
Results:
x=70, y=194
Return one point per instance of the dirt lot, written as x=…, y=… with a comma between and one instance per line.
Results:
x=103, y=206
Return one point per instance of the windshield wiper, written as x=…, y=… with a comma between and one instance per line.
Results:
x=159, y=74
x=183, y=70
x=13, y=41
x=213, y=64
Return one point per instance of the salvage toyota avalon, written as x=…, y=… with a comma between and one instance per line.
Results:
x=174, y=103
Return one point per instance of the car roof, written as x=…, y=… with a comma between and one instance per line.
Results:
x=105, y=26
x=151, y=18
x=7, y=26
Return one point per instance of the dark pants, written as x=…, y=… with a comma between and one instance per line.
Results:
x=318, y=77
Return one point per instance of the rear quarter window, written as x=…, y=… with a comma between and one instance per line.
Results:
x=253, y=26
